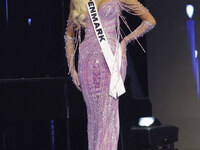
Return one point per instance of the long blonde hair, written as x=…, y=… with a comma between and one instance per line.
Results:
x=80, y=12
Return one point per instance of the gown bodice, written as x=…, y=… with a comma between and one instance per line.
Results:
x=108, y=14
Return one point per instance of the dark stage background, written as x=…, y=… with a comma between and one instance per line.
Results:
x=39, y=106
x=32, y=64
x=173, y=89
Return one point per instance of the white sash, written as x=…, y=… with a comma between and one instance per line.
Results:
x=114, y=62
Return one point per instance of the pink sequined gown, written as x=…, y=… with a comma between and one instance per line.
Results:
x=94, y=75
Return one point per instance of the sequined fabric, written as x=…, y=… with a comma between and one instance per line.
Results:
x=94, y=75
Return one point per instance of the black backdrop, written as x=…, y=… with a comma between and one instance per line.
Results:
x=33, y=90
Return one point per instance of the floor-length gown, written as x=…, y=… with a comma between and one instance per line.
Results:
x=94, y=75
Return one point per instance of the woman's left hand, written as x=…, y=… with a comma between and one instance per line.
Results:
x=123, y=45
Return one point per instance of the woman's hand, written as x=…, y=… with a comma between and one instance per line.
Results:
x=76, y=80
x=123, y=45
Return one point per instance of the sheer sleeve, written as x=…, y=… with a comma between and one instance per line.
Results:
x=72, y=39
x=134, y=7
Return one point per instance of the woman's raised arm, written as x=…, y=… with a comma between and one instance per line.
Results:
x=148, y=21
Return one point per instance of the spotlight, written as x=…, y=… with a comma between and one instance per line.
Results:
x=190, y=10
x=146, y=121
x=152, y=135
x=29, y=21
x=196, y=54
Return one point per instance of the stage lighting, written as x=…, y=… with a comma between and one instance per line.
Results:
x=150, y=134
x=190, y=10
x=146, y=121
x=29, y=21
x=196, y=54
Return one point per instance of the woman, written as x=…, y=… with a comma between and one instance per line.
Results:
x=93, y=76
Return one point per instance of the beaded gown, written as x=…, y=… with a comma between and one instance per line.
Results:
x=93, y=72
x=94, y=75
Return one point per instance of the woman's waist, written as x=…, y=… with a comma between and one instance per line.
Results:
x=91, y=45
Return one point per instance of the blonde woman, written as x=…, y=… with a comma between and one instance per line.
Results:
x=93, y=75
